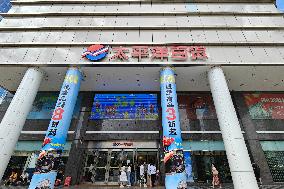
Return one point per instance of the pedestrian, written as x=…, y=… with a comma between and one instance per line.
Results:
x=149, y=175
x=215, y=179
x=128, y=173
x=256, y=171
x=153, y=171
x=123, y=177
x=24, y=178
x=12, y=178
x=158, y=176
x=142, y=175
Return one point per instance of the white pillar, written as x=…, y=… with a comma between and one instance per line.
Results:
x=236, y=150
x=15, y=116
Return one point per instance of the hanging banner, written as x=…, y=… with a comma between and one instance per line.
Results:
x=172, y=141
x=49, y=160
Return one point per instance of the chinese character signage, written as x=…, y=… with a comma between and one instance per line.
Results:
x=125, y=106
x=265, y=106
x=44, y=104
x=49, y=159
x=141, y=53
x=172, y=141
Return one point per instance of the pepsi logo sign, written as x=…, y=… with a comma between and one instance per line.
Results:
x=96, y=52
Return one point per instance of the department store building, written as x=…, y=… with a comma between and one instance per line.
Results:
x=227, y=56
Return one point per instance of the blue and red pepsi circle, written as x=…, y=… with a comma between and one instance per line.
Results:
x=96, y=52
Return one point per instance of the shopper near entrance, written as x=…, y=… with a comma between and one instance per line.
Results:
x=123, y=177
x=12, y=179
x=142, y=175
x=153, y=174
x=149, y=175
x=215, y=178
x=128, y=173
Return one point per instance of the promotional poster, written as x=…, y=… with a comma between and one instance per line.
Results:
x=172, y=141
x=43, y=181
x=49, y=159
x=265, y=105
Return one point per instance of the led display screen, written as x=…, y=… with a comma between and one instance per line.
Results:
x=125, y=106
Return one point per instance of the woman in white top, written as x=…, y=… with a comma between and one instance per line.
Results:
x=142, y=175
x=123, y=177
x=128, y=173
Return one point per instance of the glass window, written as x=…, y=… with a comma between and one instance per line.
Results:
x=198, y=106
x=274, y=153
x=197, y=112
x=125, y=106
x=44, y=104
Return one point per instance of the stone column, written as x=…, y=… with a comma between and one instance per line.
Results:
x=236, y=150
x=15, y=116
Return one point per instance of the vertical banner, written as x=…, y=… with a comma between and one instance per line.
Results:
x=172, y=141
x=49, y=160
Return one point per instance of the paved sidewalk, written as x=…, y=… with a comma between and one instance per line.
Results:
x=114, y=187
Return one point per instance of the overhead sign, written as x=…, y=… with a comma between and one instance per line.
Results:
x=146, y=53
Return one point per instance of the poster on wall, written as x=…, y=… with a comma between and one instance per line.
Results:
x=198, y=107
x=125, y=106
x=265, y=106
x=44, y=104
x=43, y=181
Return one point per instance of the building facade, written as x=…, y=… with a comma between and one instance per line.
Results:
x=120, y=48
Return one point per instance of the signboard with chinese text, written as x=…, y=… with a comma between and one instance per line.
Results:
x=172, y=140
x=142, y=53
x=125, y=106
x=265, y=105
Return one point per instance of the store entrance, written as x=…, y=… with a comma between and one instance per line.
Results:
x=102, y=166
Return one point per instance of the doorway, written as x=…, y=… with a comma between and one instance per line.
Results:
x=102, y=166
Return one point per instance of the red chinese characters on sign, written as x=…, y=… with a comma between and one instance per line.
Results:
x=120, y=53
x=177, y=53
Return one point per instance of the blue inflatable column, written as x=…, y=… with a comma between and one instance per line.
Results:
x=49, y=160
x=172, y=141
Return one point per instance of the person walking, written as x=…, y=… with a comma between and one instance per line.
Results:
x=142, y=175
x=128, y=173
x=149, y=175
x=123, y=177
x=215, y=179
x=153, y=171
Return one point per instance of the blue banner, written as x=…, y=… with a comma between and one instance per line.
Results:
x=49, y=159
x=125, y=106
x=172, y=141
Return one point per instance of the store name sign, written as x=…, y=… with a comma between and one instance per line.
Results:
x=122, y=144
x=140, y=53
